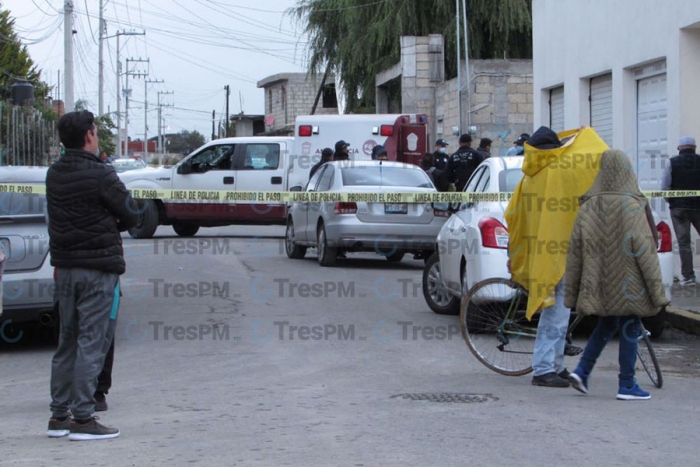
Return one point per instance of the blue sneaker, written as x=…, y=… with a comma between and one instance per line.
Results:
x=635, y=393
x=578, y=382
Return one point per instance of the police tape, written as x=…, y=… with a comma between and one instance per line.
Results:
x=275, y=197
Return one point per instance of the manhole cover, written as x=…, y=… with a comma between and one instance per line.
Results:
x=447, y=397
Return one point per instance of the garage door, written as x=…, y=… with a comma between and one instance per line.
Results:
x=601, y=107
x=652, y=128
x=556, y=109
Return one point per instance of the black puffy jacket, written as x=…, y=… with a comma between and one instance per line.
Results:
x=85, y=199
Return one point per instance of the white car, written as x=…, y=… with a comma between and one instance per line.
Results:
x=27, y=280
x=125, y=164
x=473, y=243
x=390, y=229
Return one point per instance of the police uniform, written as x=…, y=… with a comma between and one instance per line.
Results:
x=462, y=164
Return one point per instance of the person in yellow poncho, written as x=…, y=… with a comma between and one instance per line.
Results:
x=540, y=215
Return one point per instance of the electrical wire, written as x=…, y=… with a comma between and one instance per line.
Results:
x=92, y=33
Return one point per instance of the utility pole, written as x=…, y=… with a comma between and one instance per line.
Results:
x=68, y=54
x=127, y=93
x=228, y=93
x=145, y=114
x=160, y=119
x=101, y=64
x=213, y=125
x=459, y=72
x=119, y=95
x=466, y=55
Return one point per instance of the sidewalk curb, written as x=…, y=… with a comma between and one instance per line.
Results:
x=686, y=320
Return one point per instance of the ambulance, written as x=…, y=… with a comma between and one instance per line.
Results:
x=405, y=137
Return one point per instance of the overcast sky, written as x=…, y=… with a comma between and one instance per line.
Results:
x=195, y=46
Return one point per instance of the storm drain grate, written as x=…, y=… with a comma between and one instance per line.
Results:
x=447, y=397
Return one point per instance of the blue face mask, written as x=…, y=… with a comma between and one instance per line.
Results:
x=443, y=150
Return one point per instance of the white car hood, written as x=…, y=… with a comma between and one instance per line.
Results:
x=159, y=175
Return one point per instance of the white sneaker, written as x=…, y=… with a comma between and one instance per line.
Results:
x=688, y=282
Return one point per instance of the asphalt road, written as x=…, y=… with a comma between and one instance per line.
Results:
x=229, y=353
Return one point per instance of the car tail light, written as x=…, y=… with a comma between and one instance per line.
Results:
x=441, y=213
x=345, y=208
x=493, y=234
x=665, y=239
x=305, y=130
x=387, y=130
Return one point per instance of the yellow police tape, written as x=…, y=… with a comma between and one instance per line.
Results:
x=274, y=197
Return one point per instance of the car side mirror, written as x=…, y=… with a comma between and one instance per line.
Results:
x=296, y=188
x=184, y=169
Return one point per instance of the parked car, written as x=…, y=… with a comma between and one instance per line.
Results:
x=391, y=229
x=473, y=243
x=125, y=164
x=27, y=280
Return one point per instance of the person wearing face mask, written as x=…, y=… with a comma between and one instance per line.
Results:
x=440, y=156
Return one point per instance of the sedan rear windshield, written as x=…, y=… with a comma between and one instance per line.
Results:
x=385, y=176
x=509, y=179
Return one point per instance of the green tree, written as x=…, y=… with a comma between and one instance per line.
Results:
x=15, y=62
x=360, y=38
x=105, y=125
x=185, y=142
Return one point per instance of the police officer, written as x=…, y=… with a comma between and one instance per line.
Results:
x=463, y=162
x=379, y=153
x=440, y=156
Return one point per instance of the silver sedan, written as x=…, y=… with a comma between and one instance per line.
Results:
x=390, y=229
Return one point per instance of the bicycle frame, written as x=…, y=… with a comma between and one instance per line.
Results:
x=510, y=327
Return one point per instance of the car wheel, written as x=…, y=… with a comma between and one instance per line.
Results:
x=185, y=230
x=294, y=251
x=148, y=219
x=655, y=324
x=326, y=254
x=435, y=293
x=395, y=257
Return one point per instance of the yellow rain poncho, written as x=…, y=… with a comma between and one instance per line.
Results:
x=541, y=213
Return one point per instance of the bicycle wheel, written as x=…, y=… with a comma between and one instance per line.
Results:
x=494, y=326
x=647, y=357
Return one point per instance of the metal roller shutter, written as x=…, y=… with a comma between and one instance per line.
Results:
x=556, y=109
x=601, y=107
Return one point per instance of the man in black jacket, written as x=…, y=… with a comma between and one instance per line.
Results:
x=683, y=173
x=439, y=177
x=463, y=162
x=326, y=156
x=88, y=206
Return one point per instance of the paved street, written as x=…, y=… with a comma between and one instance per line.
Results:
x=229, y=353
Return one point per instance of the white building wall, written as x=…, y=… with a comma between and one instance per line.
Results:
x=575, y=40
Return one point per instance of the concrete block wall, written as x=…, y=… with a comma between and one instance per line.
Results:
x=501, y=103
x=294, y=96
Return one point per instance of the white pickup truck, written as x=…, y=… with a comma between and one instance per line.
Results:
x=236, y=164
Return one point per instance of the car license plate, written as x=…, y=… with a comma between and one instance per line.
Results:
x=395, y=208
x=5, y=247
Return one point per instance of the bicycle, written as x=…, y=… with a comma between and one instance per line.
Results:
x=496, y=330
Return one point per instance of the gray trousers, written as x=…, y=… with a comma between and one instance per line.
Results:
x=682, y=220
x=88, y=303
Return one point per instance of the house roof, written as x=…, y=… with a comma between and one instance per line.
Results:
x=272, y=79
